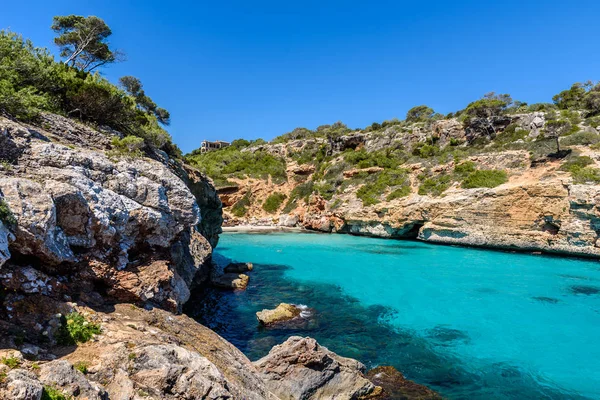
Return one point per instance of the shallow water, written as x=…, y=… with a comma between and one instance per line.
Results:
x=470, y=323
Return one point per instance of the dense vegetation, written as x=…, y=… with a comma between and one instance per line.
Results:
x=32, y=81
x=273, y=202
x=232, y=161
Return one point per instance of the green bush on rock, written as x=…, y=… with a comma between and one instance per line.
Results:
x=273, y=202
x=6, y=215
x=76, y=329
x=485, y=178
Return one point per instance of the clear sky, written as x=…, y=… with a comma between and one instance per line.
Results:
x=230, y=69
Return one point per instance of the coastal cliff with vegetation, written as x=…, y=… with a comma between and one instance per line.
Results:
x=104, y=232
x=499, y=173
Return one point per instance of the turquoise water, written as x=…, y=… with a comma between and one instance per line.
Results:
x=471, y=323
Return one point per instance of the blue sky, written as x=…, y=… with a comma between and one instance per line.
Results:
x=255, y=69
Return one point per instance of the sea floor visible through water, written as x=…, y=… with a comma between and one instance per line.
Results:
x=469, y=323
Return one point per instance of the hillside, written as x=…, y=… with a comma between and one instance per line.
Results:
x=497, y=174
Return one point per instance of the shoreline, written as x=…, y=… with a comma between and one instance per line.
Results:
x=262, y=229
x=534, y=252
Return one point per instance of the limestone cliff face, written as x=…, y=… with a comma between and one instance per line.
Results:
x=540, y=208
x=106, y=224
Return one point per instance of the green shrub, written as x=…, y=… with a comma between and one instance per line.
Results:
x=240, y=208
x=51, y=393
x=129, y=146
x=11, y=362
x=435, y=185
x=273, y=202
x=485, y=179
x=6, y=216
x=464, y=169
x=425, y=150
x=231, y=161
x=76, y=329
x=585, y=175
x=581, y=138
x=370, y=193
x=398, y=193
x=302, y=191
x=81, y=366
x=326, y=190
x=576, y=162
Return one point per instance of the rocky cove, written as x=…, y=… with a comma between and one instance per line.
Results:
x=538, y=207
x=98, y=254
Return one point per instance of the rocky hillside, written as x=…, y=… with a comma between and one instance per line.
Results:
x=494, y=181
x=99, y=249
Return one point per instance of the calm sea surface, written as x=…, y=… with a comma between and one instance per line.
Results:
x=470, y=323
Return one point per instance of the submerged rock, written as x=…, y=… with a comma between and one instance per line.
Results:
x=283, y=312
x=396, y=386
x=238, y=267
x=300, y=368
x=232, y=280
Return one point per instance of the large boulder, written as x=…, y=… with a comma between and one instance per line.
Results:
x=20, y=384
x=63, y=376
x=283, y=312
x=300, y=368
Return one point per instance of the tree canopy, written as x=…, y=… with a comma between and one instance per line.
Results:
x=134, y=87
x=419, y=114
x=82, y=41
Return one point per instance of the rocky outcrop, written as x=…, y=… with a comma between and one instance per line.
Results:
x=238, y=267
x=300, y=368
x=128, y=227
x=154, y=354
x=283, y=312
x=234, y=280
x=397, y=387
x=540, y=208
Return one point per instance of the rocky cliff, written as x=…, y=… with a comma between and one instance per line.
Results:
x=98, y=252
x=544, y=201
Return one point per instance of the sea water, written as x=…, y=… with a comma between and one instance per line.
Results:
x=470, y=323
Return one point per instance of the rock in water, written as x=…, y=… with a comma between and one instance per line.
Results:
x=231, y=281
x=396, y=386
x=283, y=312
x=300, y=368
x=238, y=267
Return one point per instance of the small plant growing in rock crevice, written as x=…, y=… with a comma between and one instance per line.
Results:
x=81, y=366
x=51, y=393
x=11, y=362
x=76, y=329
x=6, y=216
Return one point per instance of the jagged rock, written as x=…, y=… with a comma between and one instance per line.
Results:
x=288, y=220
x=238, y=267
x=162, y=368
x=234, y=281
x=448, y=129
x=20, y=384
x=283, y=312
x=62, y=375
x=6, y=237
x=396, y=386
x=353, y=172
x=78, y=209
x=300, y=368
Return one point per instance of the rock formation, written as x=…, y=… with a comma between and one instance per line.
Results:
x=300, y=368
x=283, y=312
x=541, y=207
